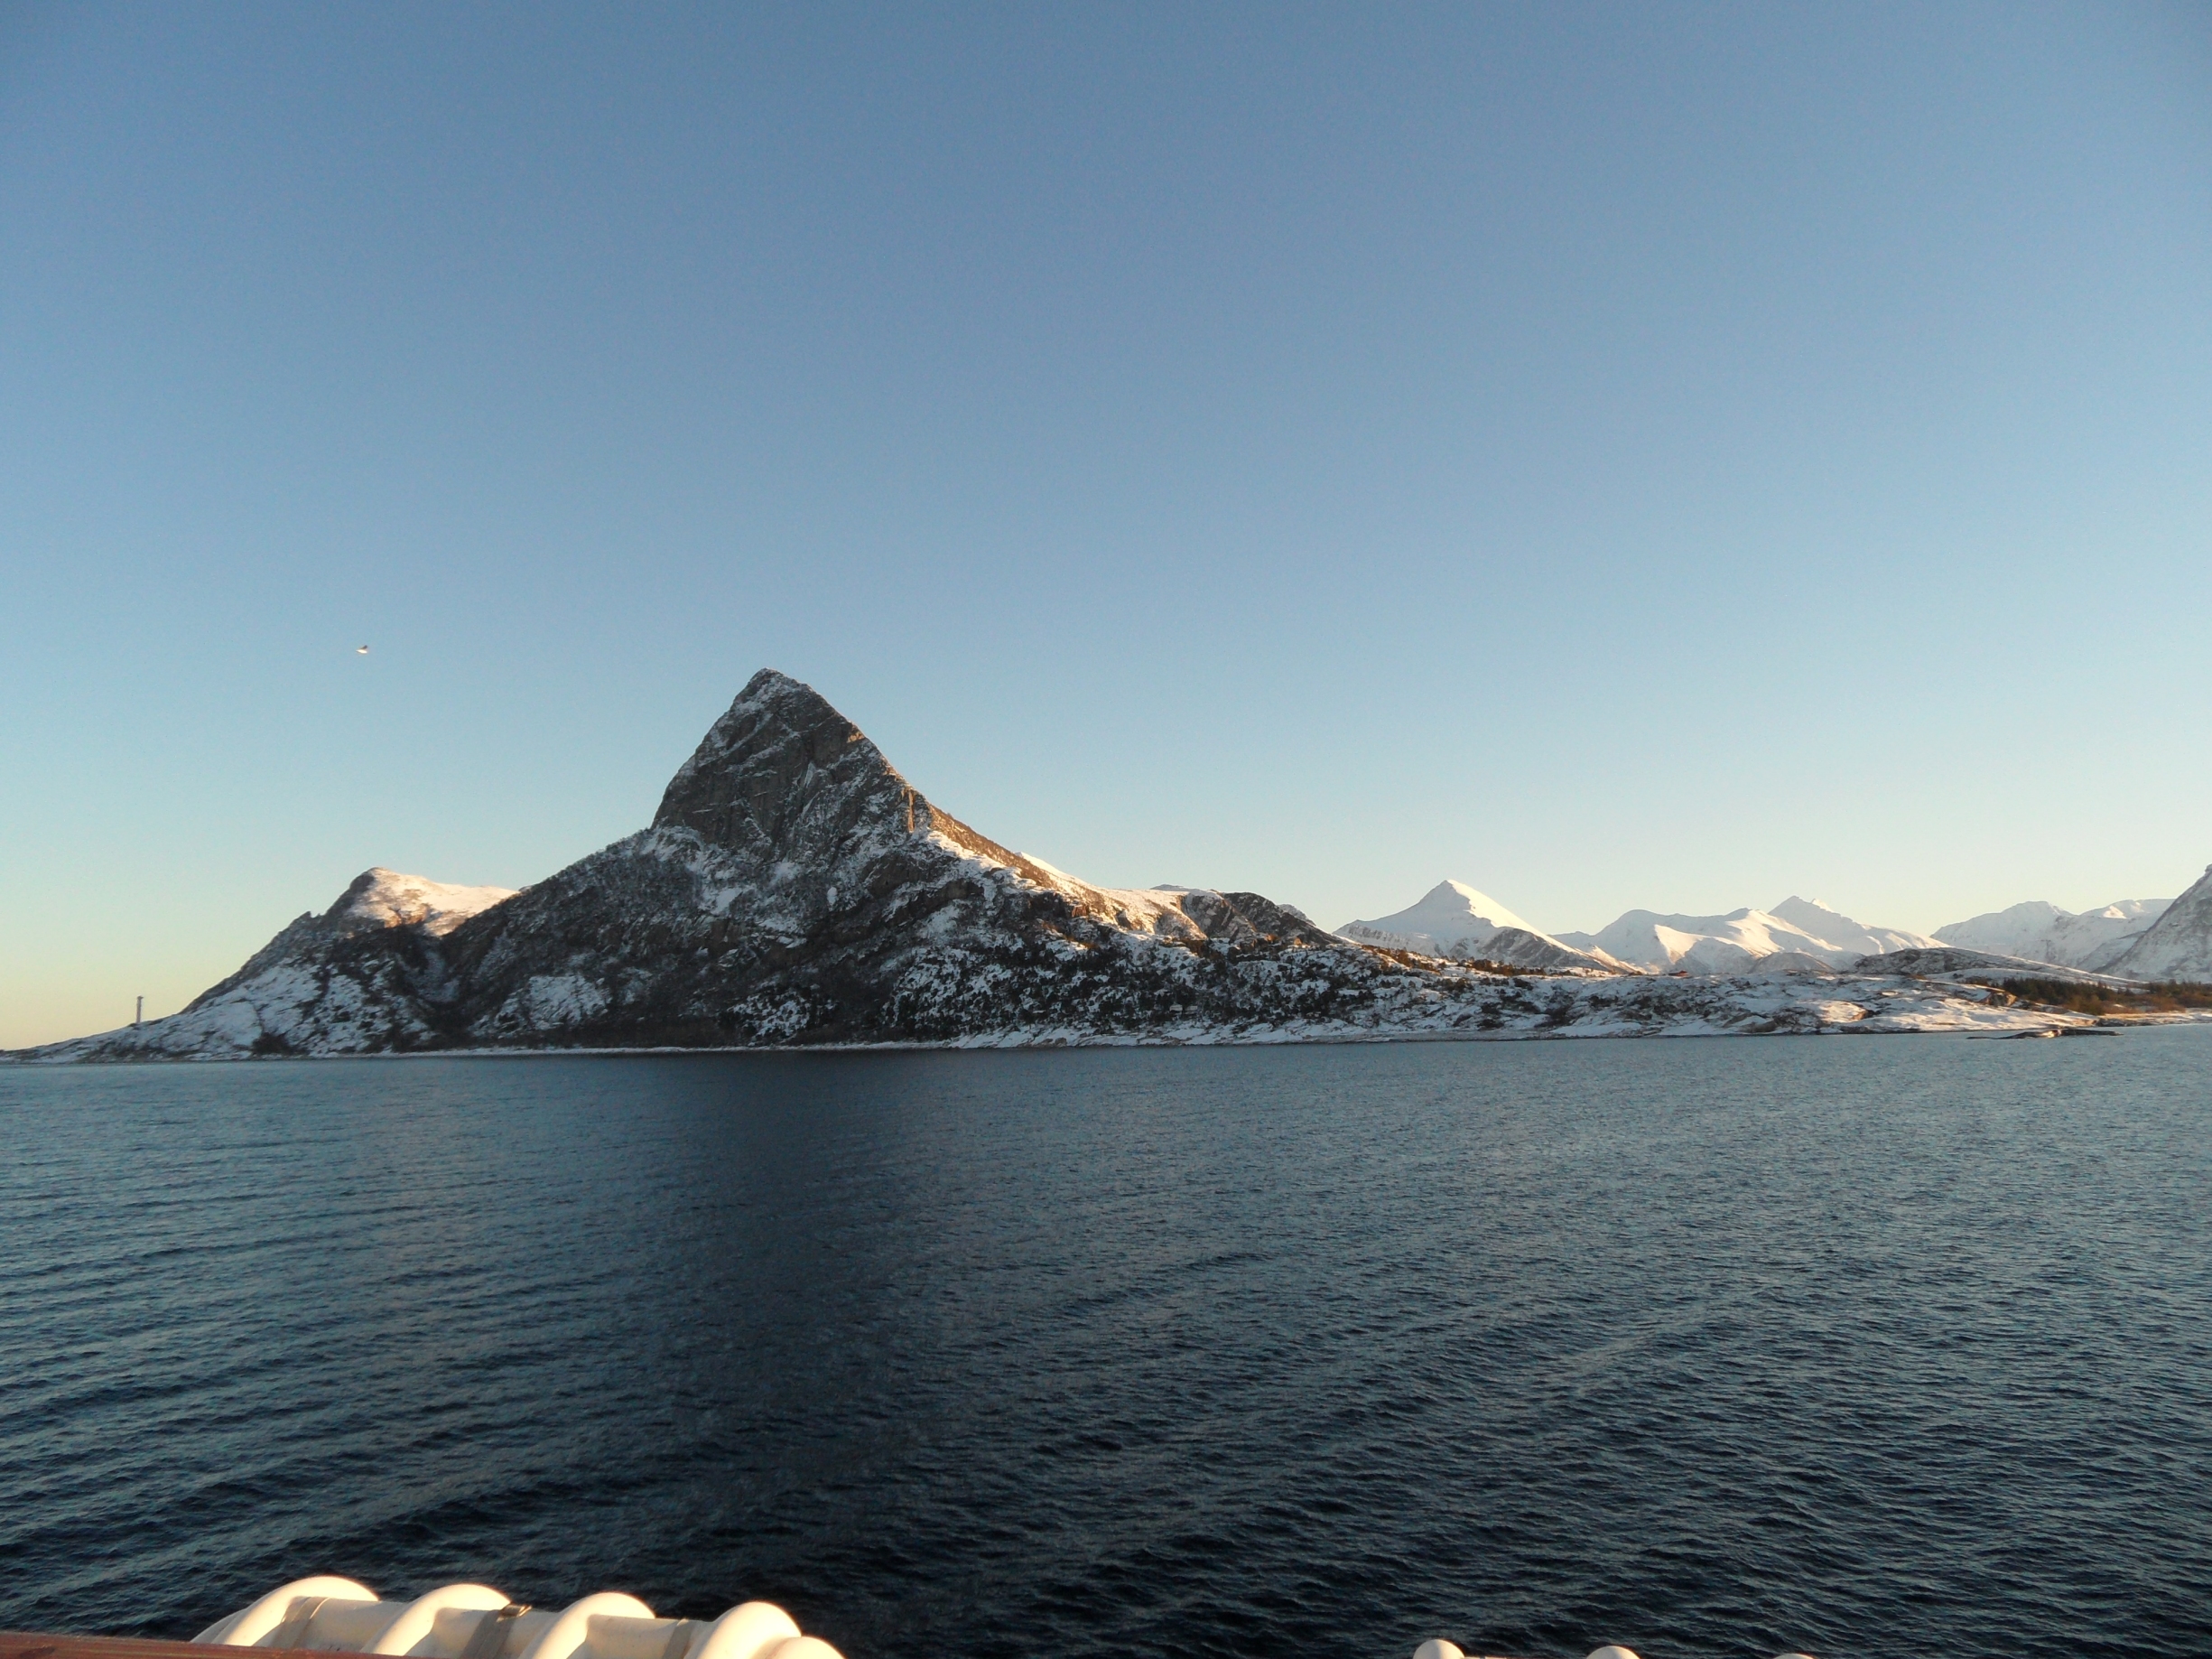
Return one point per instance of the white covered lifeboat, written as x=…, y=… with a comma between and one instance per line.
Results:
x=474, y=1621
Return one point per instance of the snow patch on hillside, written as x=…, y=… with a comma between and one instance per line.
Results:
x=389, y=898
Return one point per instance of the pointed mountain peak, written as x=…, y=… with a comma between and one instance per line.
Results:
x=770, y=700
x=1449, y=911
x=1803, y=911
x=780, y=760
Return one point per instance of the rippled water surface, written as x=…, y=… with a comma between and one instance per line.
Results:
x=1862, y=1346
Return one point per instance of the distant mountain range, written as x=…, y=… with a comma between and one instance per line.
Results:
x=1732, y=943
x=2042, y=932
x=2128, y=938
x=795, y=888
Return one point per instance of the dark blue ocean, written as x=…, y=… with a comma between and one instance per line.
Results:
x=1862, y=1346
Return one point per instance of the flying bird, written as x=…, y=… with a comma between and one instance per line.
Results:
x=361, y=650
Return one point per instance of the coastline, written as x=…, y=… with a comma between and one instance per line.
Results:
x=2011, y=1023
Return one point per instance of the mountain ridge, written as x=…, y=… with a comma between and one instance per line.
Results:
x=793, y=888
x=2042, y=932
x=1733, y=943
x=2177, y=946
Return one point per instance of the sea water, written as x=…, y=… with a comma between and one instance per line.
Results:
x=1860, y=1346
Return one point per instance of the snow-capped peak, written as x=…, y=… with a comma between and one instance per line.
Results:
x=1731, y=944
x=382, y=898
x=1836, y=928
x=1451, y=919
x=2041, y=931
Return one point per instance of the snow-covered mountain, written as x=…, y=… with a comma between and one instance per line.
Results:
x=387, y=898
x=352, y=976
x=2177, y=946
x=1451, y=919
x=795, y=888
x=1733, y=943
x=2042, y=932
x=1820, y=922
x=1456, y=921
x=792, y=888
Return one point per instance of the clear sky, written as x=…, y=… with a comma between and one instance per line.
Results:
x=1614, y=456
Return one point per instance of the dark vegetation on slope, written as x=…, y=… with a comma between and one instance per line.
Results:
x=1478, y=966
x=2068, y=997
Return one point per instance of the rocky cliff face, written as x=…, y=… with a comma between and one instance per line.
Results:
x=2178, y=945
x=795, y=887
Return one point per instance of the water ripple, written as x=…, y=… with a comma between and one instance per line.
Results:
x=1860, y=1348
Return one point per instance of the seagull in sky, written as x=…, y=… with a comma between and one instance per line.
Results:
x=361, y=650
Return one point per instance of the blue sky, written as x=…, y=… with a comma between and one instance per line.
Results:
x=1611, y=456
